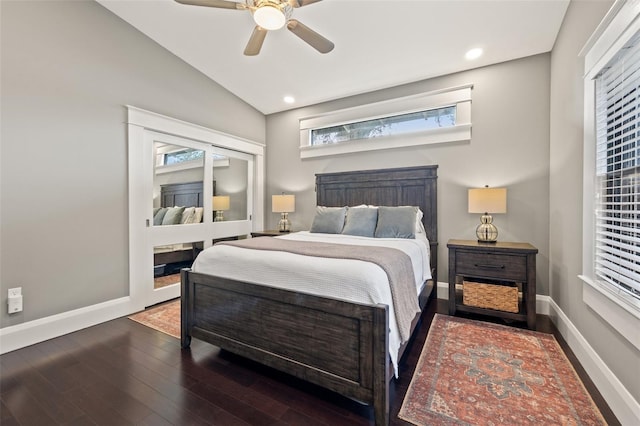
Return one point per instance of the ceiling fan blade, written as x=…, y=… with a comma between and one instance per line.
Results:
x=300, y=3
x=311, y=37
x=255, y=42
x=223, y=4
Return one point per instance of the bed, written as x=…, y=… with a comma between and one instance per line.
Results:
x=338, y=344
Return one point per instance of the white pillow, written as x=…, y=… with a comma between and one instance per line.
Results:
x=199, y=211
x=188, y=215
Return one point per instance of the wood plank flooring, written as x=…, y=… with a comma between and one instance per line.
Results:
x=123, y=373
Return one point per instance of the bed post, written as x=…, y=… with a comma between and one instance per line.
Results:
x=380, y=365
x=185, y=337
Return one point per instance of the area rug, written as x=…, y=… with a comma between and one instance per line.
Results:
x=472, y=372
x=164, y=318
x=159, y=282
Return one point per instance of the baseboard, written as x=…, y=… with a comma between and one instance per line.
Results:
x=621, y=402
x=31, y=332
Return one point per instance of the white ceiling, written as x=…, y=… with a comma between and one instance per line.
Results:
x=379, y=43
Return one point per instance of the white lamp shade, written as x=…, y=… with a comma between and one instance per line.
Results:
x=220, y=203
x=488, y=200
x=283, y=203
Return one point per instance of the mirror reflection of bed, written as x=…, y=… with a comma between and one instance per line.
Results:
x=180, y=204
x=169, y=259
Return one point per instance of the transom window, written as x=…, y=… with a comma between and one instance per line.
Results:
x=181, y=156
x=425, y=118
x=386, y=126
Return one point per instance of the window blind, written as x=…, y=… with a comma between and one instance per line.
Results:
x=617, y=185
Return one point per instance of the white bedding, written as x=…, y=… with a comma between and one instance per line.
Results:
x=351, y=280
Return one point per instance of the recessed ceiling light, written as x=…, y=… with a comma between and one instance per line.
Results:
x=473, y=54
x=289, y=99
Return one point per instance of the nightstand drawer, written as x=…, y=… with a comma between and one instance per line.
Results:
x=498, y=266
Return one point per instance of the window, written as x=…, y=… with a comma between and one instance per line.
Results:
x=386, y=126
x=611, y=186
x=171, y=158
x=617, y=177
x=425, y=118
x=181, y=156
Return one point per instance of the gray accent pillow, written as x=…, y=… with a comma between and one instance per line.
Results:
x=157, y=218
x=361, y=221
x=396, y=222
x=173, y=216
x=329, y=220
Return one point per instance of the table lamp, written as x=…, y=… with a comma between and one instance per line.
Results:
x=220, y=204
x=283, y=204
x=487, y=200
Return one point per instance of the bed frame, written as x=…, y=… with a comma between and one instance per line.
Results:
x=342, y=346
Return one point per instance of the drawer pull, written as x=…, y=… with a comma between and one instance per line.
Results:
x=484, y=266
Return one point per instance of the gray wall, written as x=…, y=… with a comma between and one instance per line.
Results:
x=509, y=147
x=68, y=69
x=566, y=149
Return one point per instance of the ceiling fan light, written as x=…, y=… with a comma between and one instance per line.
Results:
x=269, y=17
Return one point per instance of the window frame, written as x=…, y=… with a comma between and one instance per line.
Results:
x=459, y=96
x=620, y=310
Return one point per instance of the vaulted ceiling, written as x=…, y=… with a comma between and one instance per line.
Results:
x=378, y=43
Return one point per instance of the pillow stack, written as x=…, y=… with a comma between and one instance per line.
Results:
x=177, y=215
x=369, y=221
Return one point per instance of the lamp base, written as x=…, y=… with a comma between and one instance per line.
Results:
x=284, y=225
x=487, y=231
x=219, y=216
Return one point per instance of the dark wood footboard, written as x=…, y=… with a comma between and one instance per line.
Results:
x=342, y=346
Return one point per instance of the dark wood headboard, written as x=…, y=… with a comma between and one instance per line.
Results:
x=407, y=186
x=188, y=194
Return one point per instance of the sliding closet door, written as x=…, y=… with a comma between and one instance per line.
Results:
x=232, y=202
x=200, y=194
x=181, y=178
x=181, y=189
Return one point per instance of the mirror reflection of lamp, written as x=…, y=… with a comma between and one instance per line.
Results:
x=487, y=200
x=220, y=204
x=283, y=204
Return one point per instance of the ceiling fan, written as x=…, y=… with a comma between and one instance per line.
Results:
x=270, y=15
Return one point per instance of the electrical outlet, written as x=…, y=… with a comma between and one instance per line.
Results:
x=14, y=301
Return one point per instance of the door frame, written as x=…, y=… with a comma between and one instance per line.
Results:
x=141, y=126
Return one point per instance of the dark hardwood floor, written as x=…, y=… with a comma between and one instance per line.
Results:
x=121, y=373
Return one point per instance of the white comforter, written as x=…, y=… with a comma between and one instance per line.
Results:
x=346, y=279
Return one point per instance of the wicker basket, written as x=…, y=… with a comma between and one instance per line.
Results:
x=498, y=297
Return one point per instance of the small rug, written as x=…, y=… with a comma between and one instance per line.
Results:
x=159, y=282
x=472, y=372
x=164, y=318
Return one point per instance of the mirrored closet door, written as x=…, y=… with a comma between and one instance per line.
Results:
x=198, y=194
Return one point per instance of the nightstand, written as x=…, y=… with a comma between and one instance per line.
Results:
x=268, y=233
x=496, y=266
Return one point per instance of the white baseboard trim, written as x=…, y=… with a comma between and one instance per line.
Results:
x=621, y=402
x=443, y=290
x=31, y=332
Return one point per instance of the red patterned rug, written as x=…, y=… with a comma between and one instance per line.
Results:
x=164, y=318
x=472, y=372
